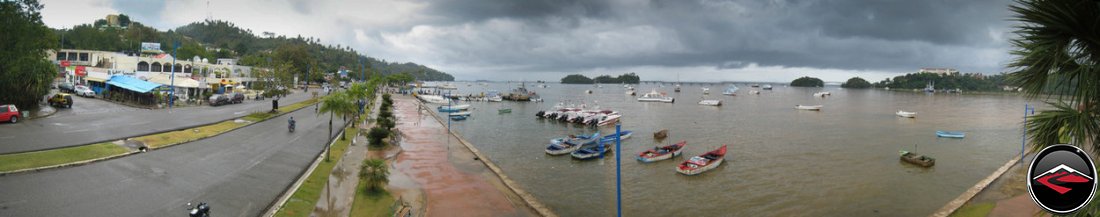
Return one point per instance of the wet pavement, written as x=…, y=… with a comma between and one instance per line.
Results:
x=453, y=181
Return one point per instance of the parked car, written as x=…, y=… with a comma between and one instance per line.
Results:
x=218, y=99
x=236, y=98
x=61, y=100
x=9, y=113
x=65, y=87
x=84, y=91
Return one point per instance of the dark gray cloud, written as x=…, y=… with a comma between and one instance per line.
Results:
x=894, y=35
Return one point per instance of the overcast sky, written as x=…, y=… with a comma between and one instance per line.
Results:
x=690, y=40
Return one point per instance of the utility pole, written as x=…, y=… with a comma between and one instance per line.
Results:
x=172, y=90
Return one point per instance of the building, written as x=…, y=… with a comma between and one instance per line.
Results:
x=940, y=71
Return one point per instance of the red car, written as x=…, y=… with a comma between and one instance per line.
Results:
x=9, y=113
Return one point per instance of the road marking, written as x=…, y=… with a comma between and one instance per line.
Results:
x=76, y=131
x=240, y=112
x=6, y=137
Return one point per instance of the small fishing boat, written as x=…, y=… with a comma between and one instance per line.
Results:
x=592, y=151
x=458, y=118
x=711, y=102
x=661, y=153
x=730, y=90
x=494, y=96
x=822, y=94
x=662, y=134
x=453, y=108
x=809, y=107
x=919, y=160
x=570, y=144
x=611, y=138
x=706, y=91
x=906, y=114
x=465, y=113
x=702, y=163
x=767, y=87
x=504, y=111
x=654, y=96
x=951, y=134
x=754, y=92
x=755, y=85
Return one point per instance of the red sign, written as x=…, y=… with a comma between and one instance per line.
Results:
x=65, y=63
x=80, y=71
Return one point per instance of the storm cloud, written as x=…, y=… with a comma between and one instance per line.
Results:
x=738, y=40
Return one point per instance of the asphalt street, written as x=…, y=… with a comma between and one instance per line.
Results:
x=238, y=173
x=92, y=120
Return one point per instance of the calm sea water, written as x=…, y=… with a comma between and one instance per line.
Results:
x=841, y=161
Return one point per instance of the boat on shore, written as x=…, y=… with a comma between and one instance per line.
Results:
x=654, y=96
x=702, y=163
x=711, y=102
x=919, y=160
x=570, y=144
x=809, y=107
x=662, y=153
x=906, y=114
x=951, y=134
x=592, y=151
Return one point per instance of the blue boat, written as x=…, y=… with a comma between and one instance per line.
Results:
x=458, y=118
x=950, y=134
x=592, y=151
x=611, y=138
x=570, y=144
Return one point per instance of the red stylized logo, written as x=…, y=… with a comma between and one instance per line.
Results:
x=1061, y=174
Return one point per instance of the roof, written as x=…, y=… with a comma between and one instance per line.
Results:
x=131, y=83
x=180, y=81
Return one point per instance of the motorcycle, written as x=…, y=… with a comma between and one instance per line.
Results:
x=201, y=210
x=292, y=126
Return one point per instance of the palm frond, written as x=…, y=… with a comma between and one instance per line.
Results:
x=1058, y=48
x=1064, y=124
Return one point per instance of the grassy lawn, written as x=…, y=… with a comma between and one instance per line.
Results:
x=974, y=210
x=303, y=200
x=371, y=203
x=12, y=162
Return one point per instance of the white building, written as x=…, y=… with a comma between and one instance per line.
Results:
x=940, y=71
x=191, y=76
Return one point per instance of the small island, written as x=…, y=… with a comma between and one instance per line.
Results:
x=856, y=82
x=628, y=78
x=807, y=81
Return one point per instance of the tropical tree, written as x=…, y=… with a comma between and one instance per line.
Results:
x=375, y=173
x=25, y=72
x=856, y=82
x=807, y=81
x=358, y=94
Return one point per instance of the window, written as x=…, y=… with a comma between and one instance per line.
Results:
x=179, y=68
x=143, y=66
x=156, y=67
x=83, y=56
x=61, y=56
x=187, y=69
x=167, y=67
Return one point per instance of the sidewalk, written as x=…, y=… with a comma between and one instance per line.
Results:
x=1007, y=195
x=345, y=176
x=453, y=181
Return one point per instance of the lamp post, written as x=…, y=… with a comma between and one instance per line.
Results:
x=1028, y=110
x=172, y=82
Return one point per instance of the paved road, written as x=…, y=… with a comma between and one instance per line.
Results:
x=239, y=173
x=93, y=120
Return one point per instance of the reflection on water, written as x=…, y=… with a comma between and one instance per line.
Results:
x=841, y=161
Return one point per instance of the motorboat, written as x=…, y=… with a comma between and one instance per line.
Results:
x=809, y=107
x=654, y=96
x=730, y=90
x=906, y=114
x=711, y=102
x=767, y=87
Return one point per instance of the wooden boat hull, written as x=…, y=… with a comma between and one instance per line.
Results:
x=713, y=160
x=653, y=155
x=916, y=159
x=700, y=170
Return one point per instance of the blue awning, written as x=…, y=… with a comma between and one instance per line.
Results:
x=131, y=83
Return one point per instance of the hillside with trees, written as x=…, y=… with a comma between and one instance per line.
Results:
x=221, y=39
x=628, y=78
x=856, y=82
x=807, y=81
x=577, y=79
x=968, y=81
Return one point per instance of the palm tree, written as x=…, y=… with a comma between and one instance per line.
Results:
x=332, y=104
x=1058, y=57
x=375, y=173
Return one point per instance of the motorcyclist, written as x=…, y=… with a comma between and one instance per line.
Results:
x=291, y=122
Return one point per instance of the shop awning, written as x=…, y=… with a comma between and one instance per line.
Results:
x=131, y=83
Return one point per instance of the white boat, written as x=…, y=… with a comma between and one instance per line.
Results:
x=767, y=87
x=754, y=92
x=466, y=113
x=654, y=96
x=822, y=94
x=706, y=91
x=809, y=107
x=906, y=114
x=711, y=102
x=433, y=99
x=493, y=96
x=730, y=90
x=609, y=119
x=454, y=107
x=448, y=86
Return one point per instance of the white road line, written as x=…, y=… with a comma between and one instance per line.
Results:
x=76, y=131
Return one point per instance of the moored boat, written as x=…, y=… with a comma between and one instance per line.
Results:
x=453, y=108
x=809, y=107
x=702, y=163
x=711, y=102
x=822, y=94
x=662, y=153
x=906, y=114
x=767, y=87
x=466, y=113
x=504, y=111
x=458, y=118
x=611, y=138
x=654, y=96
x=433, y=99
x=730, y=90
x=706, y=91
x=661, y=134
x=919, y=160
x=592, y=151
x=951, y=134
x=570, y=144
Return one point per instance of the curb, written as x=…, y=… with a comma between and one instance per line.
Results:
x=79, y=163
x=278, y=204
x=527, y=198
x=958, y=202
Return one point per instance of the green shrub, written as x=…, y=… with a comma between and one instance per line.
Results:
x=376, y=135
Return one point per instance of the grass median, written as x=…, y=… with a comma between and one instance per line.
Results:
x=371, y=203
x=303, y=200
x=70, y=155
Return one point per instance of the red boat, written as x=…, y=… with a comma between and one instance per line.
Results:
x=662, y=153
x=703, y=163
